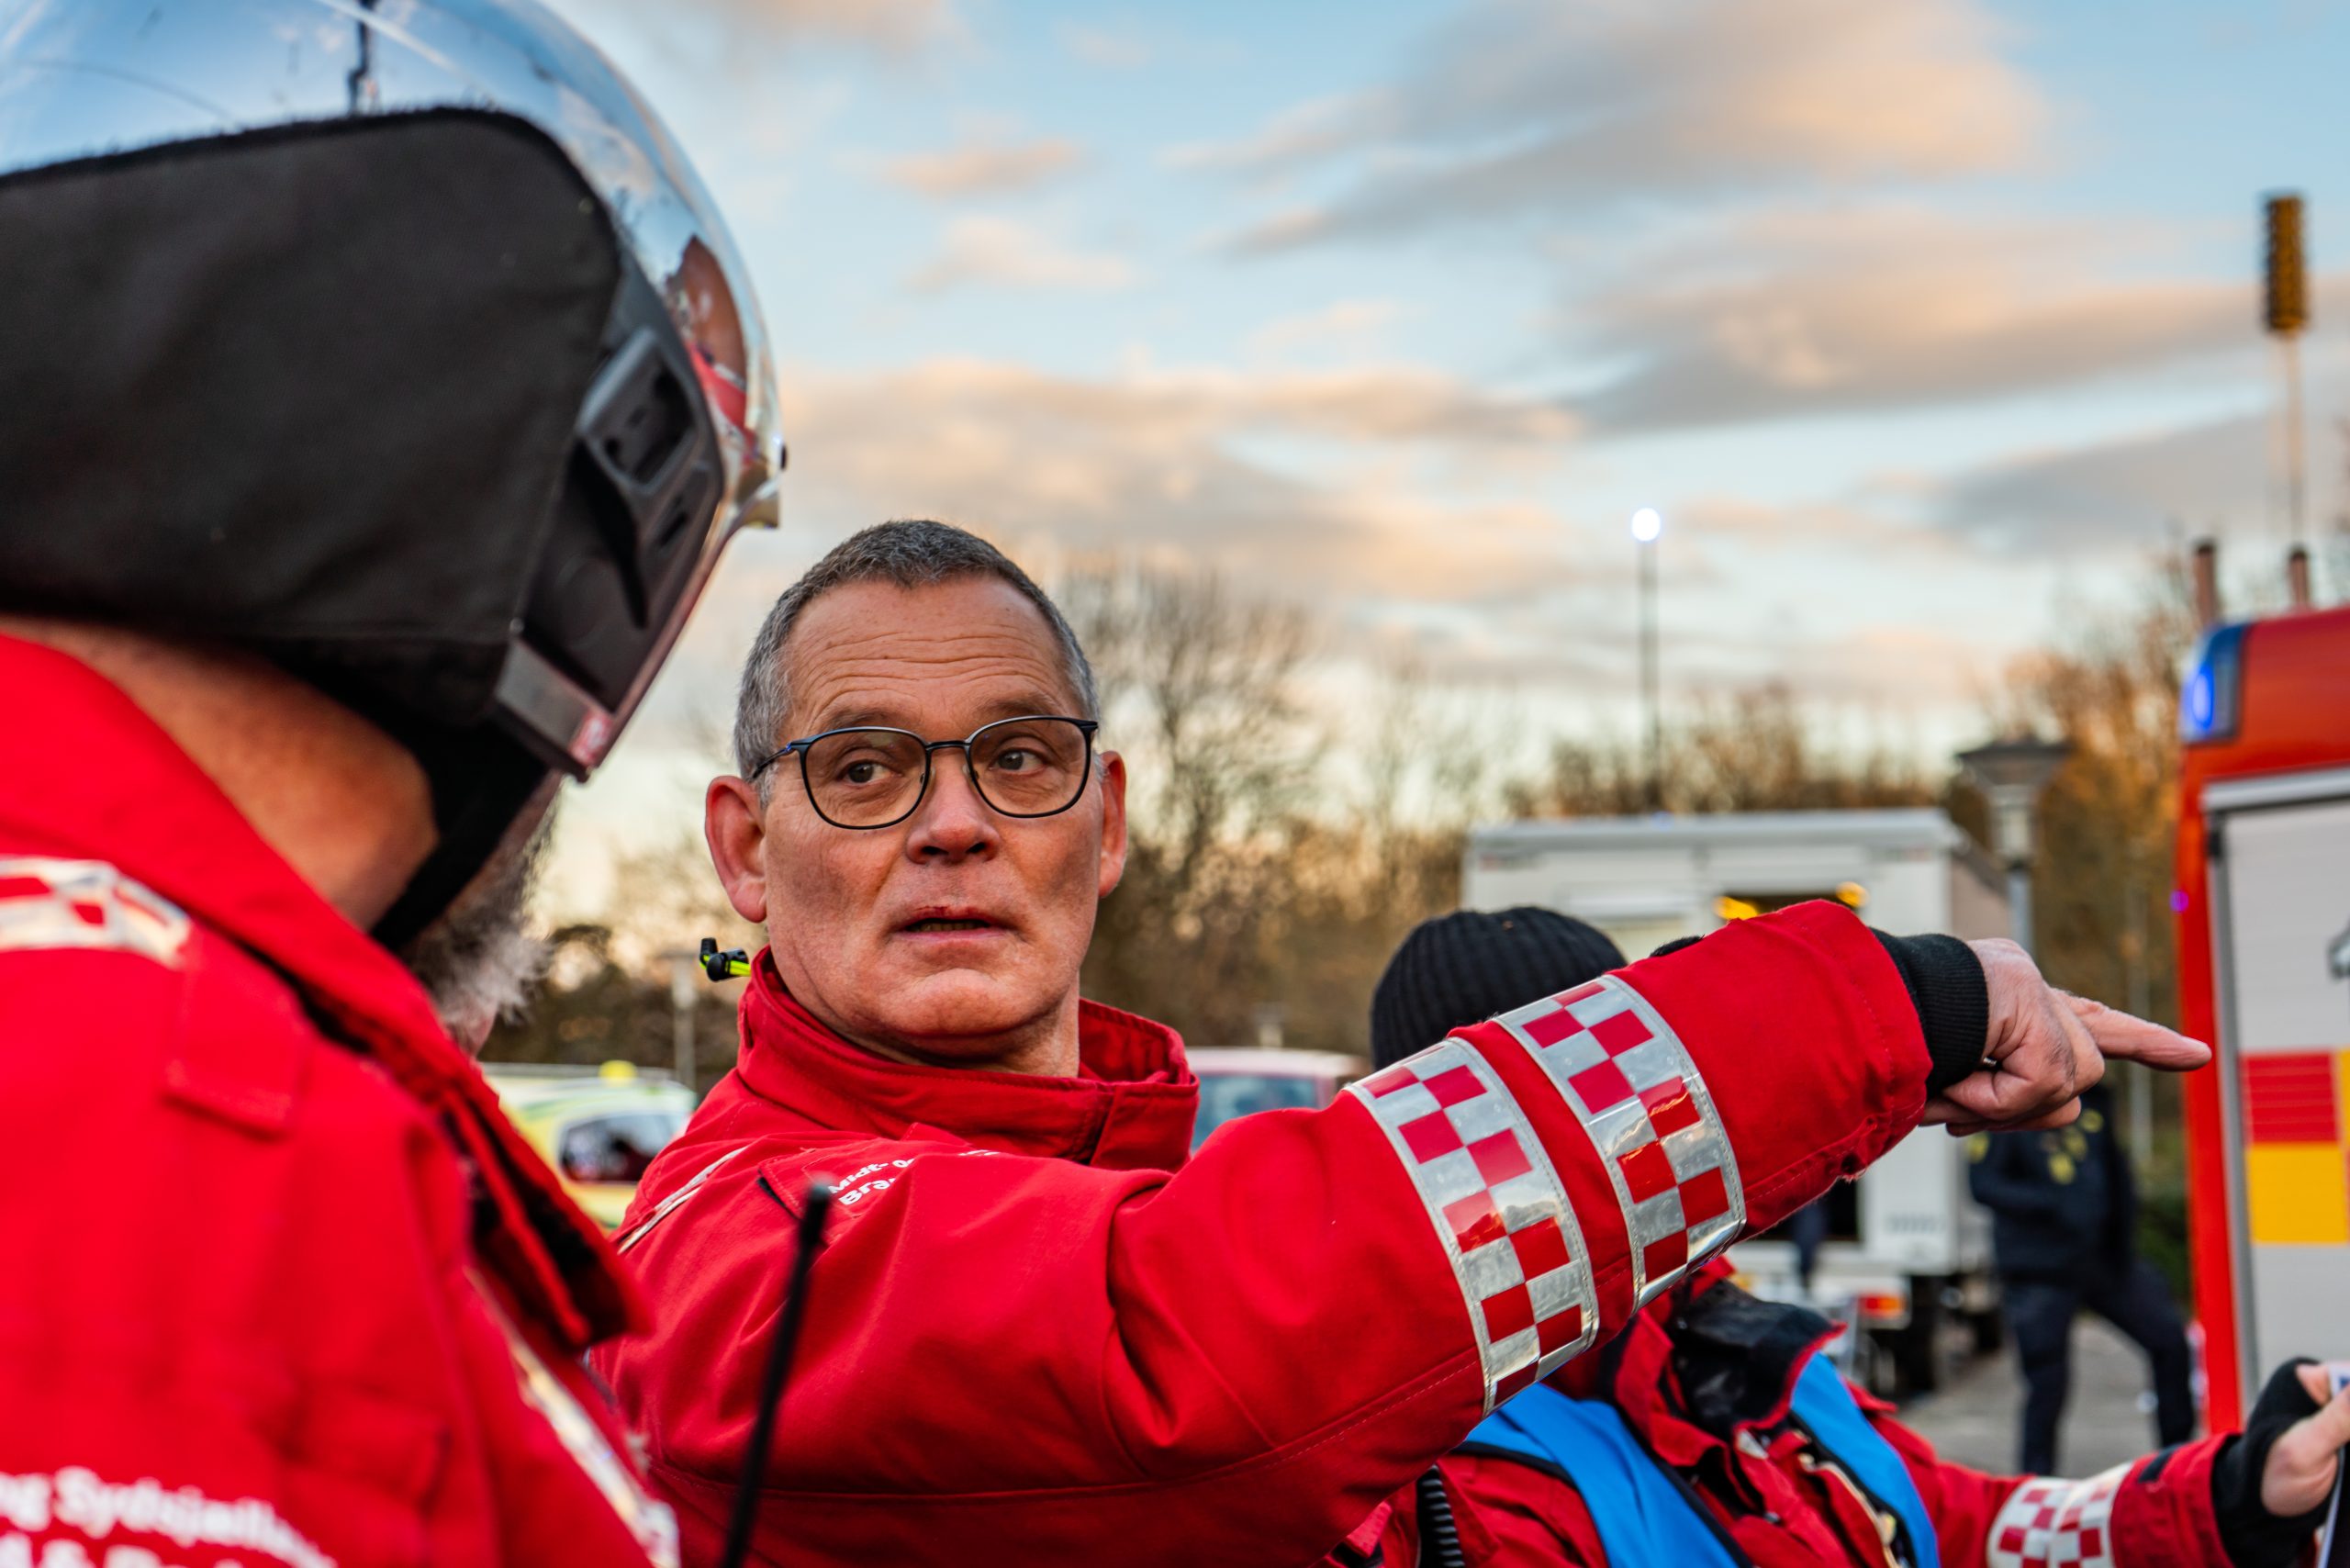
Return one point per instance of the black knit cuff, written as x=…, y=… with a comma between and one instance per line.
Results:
x=2254, y=1537
x=1953, y=1001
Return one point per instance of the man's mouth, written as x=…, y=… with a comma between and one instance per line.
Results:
x=948, y=922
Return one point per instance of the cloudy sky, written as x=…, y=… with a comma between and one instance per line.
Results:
x=1922, y=322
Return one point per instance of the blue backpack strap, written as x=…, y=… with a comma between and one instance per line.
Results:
x=1826, y=1409
x=1645, y=1513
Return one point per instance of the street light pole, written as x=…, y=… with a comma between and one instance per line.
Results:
x=2011, y=774
x=1647, y=527
x=682, y=969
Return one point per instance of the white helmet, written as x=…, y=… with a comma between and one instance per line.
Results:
x=394, y=338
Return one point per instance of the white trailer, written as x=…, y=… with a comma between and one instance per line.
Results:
x=1906, y=1245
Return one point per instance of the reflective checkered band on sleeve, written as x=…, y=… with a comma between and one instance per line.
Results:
x=1625, y=1074
x=47, y=904
x=1498, y=1205
x=2053, y=1523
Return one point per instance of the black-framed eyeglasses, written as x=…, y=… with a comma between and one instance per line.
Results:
x=1035, y=766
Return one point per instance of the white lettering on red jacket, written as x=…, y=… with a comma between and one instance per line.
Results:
x=83, y=1501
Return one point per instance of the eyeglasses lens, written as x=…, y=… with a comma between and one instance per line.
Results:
x=1029, y=768
x=865, y=778
x=1023, y=768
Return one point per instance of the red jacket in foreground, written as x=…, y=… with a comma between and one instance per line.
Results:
x=283, y=1286
x=1785, y=1513
x=1038, y=1335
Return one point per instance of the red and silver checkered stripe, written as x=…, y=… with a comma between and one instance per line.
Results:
x=2054, y=1523
x=47, y=904
x=1498, y=1205
x=1625, y=1074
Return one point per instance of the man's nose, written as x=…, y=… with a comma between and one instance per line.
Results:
x=952, y=820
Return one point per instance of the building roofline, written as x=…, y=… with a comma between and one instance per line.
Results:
x=1907, y=826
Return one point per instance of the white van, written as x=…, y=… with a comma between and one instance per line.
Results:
x=1907, y=1246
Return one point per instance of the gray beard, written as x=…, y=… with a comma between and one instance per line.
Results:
x=480, y=962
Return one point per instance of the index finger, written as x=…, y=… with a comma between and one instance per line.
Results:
x=2122, y=1037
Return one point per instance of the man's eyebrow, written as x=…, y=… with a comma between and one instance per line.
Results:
x=1031, y=705
x=856, y=718
x=867, y=715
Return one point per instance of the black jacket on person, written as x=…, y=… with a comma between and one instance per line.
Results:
x=2062, y=1200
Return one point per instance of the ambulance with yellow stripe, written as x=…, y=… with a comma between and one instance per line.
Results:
x=2262, y=902
x=598, y=1126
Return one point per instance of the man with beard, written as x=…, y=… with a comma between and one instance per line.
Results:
x=362, y=462
x=1037, y=1331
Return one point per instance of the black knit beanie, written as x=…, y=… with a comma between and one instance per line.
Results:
x=1465, y=966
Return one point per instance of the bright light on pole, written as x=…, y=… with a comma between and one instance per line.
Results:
x=2011, y=774
x=1648, y=524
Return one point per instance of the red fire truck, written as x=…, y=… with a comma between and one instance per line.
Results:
x=2262, y=898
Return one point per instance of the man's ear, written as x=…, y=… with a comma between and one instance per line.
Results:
x=735, y=829
x=1113, y=821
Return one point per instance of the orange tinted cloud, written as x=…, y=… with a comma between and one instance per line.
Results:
x=1526, y=108
x=984, y=168
x=1808, y=311
x=1388, y=481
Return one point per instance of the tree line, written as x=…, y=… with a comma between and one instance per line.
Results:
x=1280, y=853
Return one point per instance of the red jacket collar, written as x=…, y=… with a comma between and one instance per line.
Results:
x=1130, y=1107
x=89, y=776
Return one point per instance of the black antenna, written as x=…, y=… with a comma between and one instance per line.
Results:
x=786, y=1336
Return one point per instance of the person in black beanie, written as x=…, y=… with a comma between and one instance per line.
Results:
x=1772, y=1457
x=1465, y=966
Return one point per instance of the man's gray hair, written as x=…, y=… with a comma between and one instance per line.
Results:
x=912, y=553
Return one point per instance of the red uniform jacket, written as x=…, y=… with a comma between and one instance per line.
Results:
x=1785, y=1512
x=283, y=1286
x=1038, y=1335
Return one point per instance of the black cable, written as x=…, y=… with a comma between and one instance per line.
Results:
x=1439, y=1535
x=778, y=1368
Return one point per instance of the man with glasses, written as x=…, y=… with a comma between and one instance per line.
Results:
x=1040, y=1331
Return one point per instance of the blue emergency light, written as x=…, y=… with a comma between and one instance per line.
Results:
x=2210, y=700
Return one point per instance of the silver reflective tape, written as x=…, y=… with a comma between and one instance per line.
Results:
x=652, y=1523
x=1630, y=1082
x=47, y=904
x=2049, y=1522
x=1498, y=1207
x=668, y=1205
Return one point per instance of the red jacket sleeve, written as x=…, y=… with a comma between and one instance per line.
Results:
x=1240, y=1360
x=2154, y=1512
x=243, y=1318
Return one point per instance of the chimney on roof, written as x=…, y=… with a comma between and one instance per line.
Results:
x=2204, y=574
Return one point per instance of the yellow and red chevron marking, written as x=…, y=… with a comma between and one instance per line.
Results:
x=2296, y=1157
